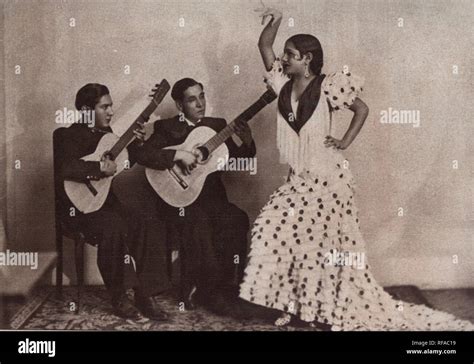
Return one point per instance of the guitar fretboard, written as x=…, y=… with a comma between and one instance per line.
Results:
x=128, y=136
x=213, y=143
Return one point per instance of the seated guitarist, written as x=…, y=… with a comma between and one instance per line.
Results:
x=212, y=231
x=113, y=227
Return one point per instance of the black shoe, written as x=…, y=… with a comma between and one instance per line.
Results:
x=220, y=305
x=124, y=308
x=189, y=304
x=150, y=308
x=189, y=300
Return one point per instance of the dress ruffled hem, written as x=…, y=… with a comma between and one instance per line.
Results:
x=308, y=258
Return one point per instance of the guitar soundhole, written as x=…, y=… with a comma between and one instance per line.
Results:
x=204, y=153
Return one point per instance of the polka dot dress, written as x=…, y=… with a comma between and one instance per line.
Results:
x=308, y=256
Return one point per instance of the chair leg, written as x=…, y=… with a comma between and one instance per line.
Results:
x=79, y=257
x=59, y=262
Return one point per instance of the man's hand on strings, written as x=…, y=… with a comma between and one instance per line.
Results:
x=244, y=132
x=140, y=133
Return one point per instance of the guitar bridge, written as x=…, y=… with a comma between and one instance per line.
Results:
x=178, y=178
x=91, y=188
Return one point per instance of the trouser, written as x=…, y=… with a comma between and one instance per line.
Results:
x=128, y=243
x=212, y=239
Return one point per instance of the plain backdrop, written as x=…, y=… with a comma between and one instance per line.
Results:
x=414, y=55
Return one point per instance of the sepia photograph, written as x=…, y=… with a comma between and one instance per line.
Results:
x=237, y=166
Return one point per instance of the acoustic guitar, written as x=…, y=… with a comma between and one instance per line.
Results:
x=90, y=196
x=180, y=190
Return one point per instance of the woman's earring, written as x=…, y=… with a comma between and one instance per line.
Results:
x=306, y=72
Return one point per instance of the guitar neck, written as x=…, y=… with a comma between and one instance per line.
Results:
x=220, y=138
x=128, y=136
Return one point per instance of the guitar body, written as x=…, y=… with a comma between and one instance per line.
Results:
x=179, y=190
x=78, y=192
x=89, y=197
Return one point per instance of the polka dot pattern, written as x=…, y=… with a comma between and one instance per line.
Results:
x=341, y=89
x=292, y=267
x=310, y=220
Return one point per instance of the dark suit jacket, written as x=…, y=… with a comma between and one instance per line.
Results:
x=70, y=145
x=171, y=132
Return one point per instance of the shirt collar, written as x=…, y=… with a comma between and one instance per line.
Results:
x=190, y=123
x=103, y=131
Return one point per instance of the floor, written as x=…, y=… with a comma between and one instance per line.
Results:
x=47, y=311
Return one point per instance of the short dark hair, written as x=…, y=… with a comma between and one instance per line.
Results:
x=90, y=94
x=307, y=43
x=177, y=93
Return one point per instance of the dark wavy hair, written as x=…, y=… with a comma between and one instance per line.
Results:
x=306, y=43
x=90, y=94
x=177, y=93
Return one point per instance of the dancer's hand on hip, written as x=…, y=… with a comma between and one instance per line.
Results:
x=334, y=143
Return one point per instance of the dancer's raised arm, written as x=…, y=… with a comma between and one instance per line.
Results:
x=267, y=38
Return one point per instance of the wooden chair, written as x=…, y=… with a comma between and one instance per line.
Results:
x=63, y=231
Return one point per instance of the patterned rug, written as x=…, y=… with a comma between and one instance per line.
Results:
x=96, y=314
x=22, y=311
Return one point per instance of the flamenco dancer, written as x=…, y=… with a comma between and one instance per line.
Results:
x=312, y=217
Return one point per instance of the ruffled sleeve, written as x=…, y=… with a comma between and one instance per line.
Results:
x=341, y=89
x=275, y=78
